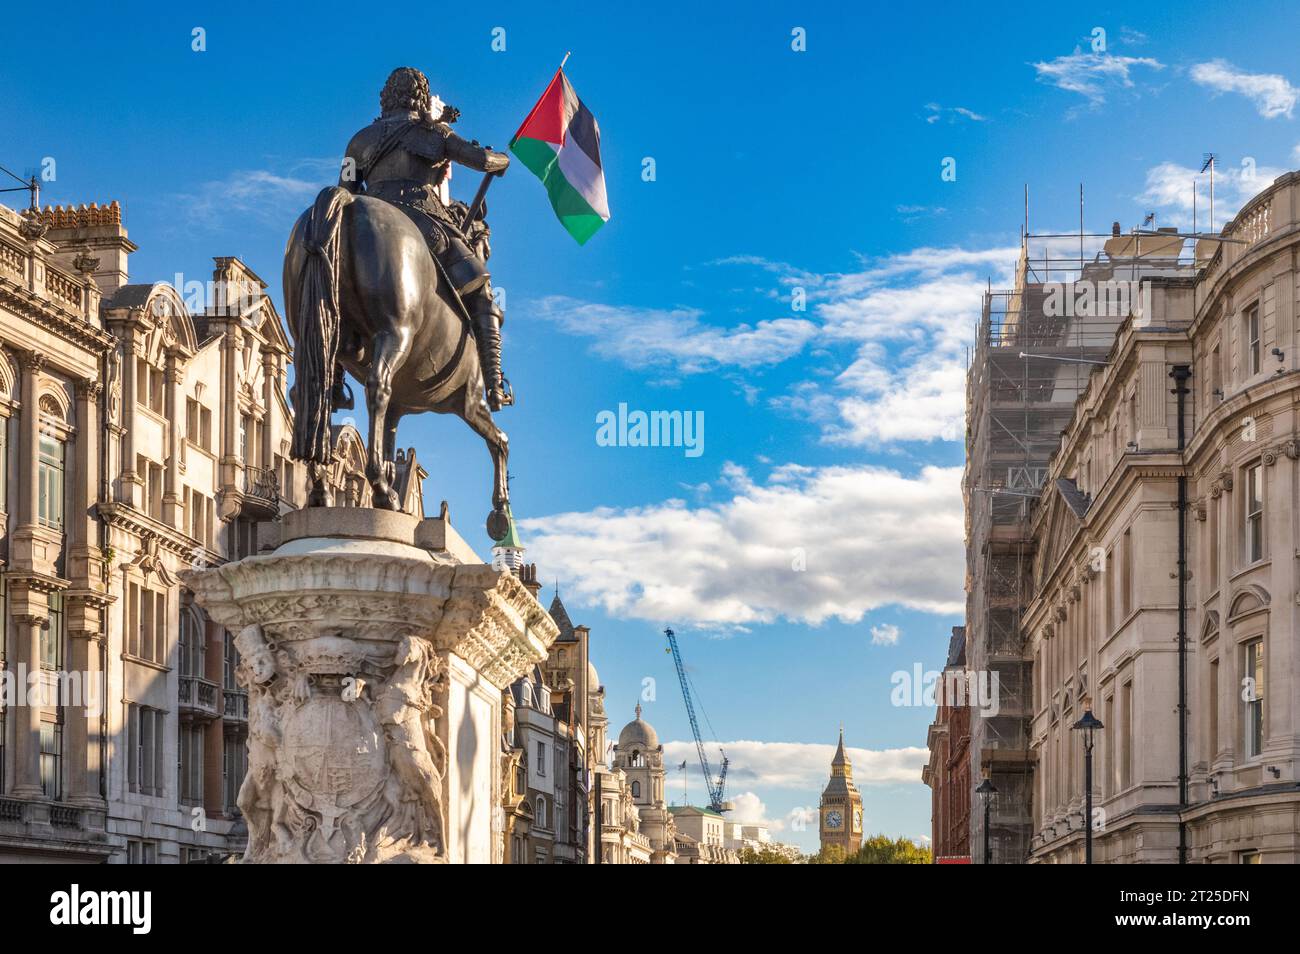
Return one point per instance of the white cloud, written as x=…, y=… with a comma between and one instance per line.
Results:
x=905, y=320
x=677, y=338
x=804, y=767
x=886, y=634
x=867, y=537
x=952, y=114
x=919, y=402
x=1169, y=190
x=268, y=195
x=1092, y=74
x=911, y=318
x=748, y=809
x=1271, y=93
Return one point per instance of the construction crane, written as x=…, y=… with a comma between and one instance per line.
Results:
x=716, y=789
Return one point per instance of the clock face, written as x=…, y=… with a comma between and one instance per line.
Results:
x=834, y=819
x=857, y=820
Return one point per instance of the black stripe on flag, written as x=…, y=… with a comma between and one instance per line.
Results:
x=582, y=128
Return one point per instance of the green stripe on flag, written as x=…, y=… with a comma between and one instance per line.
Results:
x=574, y=212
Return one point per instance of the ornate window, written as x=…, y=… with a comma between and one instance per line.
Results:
x=540, y=814
x=50, y=473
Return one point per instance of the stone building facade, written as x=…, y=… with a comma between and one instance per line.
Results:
x=142, y=433
x=948, y=770
x=640, y=757
x=1104, y=625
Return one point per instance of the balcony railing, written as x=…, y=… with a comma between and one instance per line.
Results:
x=235, y=708
x=198, y=697
x=262, y=482
x=261, y=491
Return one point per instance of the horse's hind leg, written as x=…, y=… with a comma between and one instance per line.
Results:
x=389, y=351
x=479, y=418
x=319, y=492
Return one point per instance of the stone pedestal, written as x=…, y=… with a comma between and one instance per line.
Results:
x=374, y=647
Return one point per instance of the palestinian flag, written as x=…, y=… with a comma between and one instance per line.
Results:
x=560, y=143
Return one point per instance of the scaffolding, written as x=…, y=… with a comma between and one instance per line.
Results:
x=1034, y=354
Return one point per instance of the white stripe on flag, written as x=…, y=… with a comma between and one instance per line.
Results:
x=587, y=178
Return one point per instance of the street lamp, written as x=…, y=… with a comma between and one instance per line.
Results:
x=986, y=791
x=1088, y=724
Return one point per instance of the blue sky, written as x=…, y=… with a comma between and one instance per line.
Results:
x=832, y=433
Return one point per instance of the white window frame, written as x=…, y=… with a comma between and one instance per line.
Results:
x=1253, y=525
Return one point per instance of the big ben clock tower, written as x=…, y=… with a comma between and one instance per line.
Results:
x=841, y=810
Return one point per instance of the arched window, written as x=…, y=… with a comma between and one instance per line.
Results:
x=636, y=789
x=636, y=760
x=540, y=815
x=52, y=454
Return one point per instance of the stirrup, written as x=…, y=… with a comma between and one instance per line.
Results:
x=507, y=392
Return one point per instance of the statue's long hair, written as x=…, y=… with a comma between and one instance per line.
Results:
x=407, y=88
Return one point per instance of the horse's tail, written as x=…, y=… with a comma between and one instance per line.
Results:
x=317, y=322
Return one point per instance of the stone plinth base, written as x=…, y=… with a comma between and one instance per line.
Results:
x=374, y=647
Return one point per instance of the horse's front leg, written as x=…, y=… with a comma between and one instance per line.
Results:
x=478, y=417
x=389, y=351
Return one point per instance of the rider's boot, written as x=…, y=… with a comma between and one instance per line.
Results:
x=487, y=334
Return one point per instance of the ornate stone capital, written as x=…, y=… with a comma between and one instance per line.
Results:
x=31, y=361
x=88, y=389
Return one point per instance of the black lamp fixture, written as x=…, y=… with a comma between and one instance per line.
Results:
x=1088, y=724
x=986, y=791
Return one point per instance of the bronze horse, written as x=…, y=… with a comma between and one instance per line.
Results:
x=362, y=291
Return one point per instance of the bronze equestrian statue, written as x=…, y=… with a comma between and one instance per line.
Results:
x=382, y=279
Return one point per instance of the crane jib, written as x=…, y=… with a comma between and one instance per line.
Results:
x=716, y=789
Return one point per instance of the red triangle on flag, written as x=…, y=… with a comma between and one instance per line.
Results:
x=547, y=120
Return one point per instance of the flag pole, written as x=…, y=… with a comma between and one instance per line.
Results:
x=479, y=196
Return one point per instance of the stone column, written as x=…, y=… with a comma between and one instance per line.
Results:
x=81, y=728
x=230, y=399
x=267, y=450
x=129, y=481
x=29, y=438
x=27, y=718
x=172, y=509
x=214, y=735
x=375, y=647
x=85, y=568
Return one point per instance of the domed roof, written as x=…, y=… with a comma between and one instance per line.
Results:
x=638, y=733
x=593, y=677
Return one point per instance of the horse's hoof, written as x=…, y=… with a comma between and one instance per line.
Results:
x=498, y=524
x=386, y=500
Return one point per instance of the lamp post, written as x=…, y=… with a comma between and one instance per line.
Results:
x=1088, y=724
x=986, y=791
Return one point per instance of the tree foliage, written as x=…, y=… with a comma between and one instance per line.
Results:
x=764, y=856
x=876, y=850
